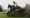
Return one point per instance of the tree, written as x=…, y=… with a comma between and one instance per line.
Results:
x=28, y=9
x=0, y=8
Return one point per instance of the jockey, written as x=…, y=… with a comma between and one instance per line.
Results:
x=14, y=3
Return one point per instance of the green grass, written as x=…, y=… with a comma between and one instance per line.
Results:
x=5, y=16
x=2, y=15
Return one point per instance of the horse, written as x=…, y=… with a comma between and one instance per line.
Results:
x=16, y=11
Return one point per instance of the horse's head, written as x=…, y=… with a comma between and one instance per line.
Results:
x=9, y=6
